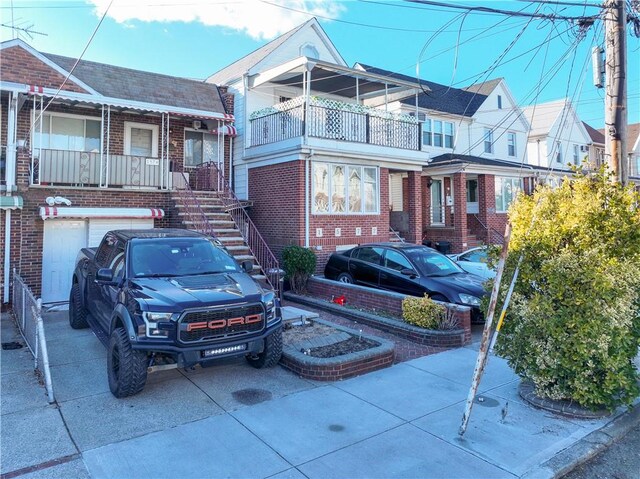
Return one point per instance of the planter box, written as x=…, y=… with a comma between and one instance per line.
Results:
x=339, y=367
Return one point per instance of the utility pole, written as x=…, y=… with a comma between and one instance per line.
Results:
x=615, y=115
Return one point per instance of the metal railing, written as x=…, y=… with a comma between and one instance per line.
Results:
x=396, y=234
x=193, y=209
x=28, y=313
x=493, y=235
x=232, y=205
x=335, y=124
x=82, y=168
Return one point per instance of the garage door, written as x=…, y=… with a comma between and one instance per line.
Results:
x=63, y=239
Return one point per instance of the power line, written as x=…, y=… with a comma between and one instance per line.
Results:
x=574, y=4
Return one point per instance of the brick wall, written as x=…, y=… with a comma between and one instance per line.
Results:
x=20, y=66
x=278, y=211
x=374, y=299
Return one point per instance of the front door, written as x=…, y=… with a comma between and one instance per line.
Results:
x=472, y=196
x=437, y=202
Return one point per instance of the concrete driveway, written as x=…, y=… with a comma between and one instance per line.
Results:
x=232, y=420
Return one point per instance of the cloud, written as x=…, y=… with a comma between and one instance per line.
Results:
x=258, y=19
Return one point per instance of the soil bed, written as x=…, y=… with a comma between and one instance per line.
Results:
x=351, y=345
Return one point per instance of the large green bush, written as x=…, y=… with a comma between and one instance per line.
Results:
x=299, y=263
x=426, y=313
x=573, y=326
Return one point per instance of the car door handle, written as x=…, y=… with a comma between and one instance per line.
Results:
x=383, y=276
x=352, y=266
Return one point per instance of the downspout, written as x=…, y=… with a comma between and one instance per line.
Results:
x=538, y=152
x=10, y=182
x=307, y=199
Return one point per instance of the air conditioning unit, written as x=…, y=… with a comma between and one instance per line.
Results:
x=584, y=148
x=197, y=124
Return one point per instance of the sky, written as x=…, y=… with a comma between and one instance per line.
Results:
x=541, y=60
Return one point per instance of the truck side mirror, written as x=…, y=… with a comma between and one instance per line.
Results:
x=247, y=266
x=104, y=275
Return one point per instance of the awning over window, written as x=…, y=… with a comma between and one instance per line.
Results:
x=52, y=212
x=10, y=202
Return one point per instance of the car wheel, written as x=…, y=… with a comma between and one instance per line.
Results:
x=345, y=278
x=77, y=312
x=271, y=354
x=126, y=368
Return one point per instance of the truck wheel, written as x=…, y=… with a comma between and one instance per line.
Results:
x=272, y=351
x=77, y=312
x=126, y=368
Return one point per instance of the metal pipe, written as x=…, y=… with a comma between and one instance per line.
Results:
x=168, y=133
x=106, y=170
x=162, y=158
x=7, y=253
x=45, y=354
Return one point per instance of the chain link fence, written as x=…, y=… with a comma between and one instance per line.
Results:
x=28, y=313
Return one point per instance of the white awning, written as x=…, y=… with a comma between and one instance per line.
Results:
x=52, y=212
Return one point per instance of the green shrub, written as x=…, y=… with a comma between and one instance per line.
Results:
x=299, y=263
x=426, y=313
x=573, y=326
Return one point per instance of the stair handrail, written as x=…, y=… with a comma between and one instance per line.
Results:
x=396, y=234
x=194, y=210
x=256, y=243
x=494, y=235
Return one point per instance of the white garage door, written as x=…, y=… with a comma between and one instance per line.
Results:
x=63, y=239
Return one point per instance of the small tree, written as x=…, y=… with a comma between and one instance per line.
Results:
x=573, y=326
x=299, y=263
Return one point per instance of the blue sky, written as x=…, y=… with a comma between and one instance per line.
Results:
x=194, y=38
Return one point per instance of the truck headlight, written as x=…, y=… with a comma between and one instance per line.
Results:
x=271, y=307
x=156, y=326
x=470, y=299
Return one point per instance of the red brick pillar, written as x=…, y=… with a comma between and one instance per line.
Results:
x=460, y=211
x=414, y=200
x=486, y=203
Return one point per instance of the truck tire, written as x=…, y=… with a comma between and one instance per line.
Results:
x=77, y=312
x=126, y=368
x=272, y=351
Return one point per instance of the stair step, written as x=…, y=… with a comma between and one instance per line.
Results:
x=258, y=276
x=225, y=230
x=243, y=257
x=231, y=239
x=238, y=248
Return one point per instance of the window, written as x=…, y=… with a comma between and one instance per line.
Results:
x=369, y=255
x=140, y=139
x=437, y=133
x=488, y=140
x=396, y=261
x=511, y=144
x=448, y=135
x=199, y=147
x=345, y=189
x=67, y=132
x=426, y=132
x=558, y=152
x=506, y=191
x=576, y=154
x=472, y=191
x=499, y=102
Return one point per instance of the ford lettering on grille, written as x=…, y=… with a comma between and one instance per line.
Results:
x=221, y=323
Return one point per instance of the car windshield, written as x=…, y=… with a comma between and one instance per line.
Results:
x=432, y=263
x=166, y=257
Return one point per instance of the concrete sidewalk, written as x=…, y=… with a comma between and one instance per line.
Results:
x=234, y=421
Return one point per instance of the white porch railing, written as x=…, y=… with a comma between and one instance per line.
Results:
x=79, y=168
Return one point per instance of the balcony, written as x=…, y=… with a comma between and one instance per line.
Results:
x=89, y=169
x=334, y=120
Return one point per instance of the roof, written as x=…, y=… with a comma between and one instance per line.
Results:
x=633, y=131
x=484, y=88
x=241, y=66
x=597, y=136
x=442, y=98
x=545, y=116
x=453, y=158
x=129, y=84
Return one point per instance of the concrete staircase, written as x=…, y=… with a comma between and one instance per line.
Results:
x=473, y=241
x=222, y=224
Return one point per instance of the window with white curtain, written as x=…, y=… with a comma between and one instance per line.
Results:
x=65, y=132
x=345, y=189
x=506, y=190
x=199, y=147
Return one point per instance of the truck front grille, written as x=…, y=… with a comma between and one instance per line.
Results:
x=216, y=324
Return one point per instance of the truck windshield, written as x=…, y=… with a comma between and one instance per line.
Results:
x=178, y=257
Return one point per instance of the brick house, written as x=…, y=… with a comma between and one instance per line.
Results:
x=104, y=151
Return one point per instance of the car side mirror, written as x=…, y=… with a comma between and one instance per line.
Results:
x=247, y=266
x=408, y=272
x=105, y=276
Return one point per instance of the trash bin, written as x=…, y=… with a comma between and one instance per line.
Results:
x=429, y=243
x=443, y=246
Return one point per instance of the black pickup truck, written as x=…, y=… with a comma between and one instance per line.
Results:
x=163, y=298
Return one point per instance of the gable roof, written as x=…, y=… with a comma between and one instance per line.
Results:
x=244, y=64
x=543, y=116
x=442, y=98
x=126, y=83
x=484, y=88
x=597, y=136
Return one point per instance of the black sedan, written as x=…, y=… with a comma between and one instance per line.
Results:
x=409, y=269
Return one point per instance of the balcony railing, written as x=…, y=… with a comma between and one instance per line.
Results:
x=334, y=120
x=80, y=168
